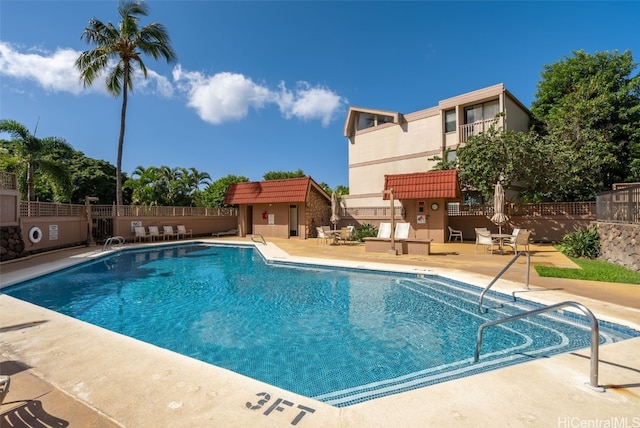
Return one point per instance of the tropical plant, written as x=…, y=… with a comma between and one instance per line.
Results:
x=581, y=243
x=27, y=155
x=365, y=231
x=125, y=44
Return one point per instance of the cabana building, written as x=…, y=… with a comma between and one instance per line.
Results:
x=289, y=208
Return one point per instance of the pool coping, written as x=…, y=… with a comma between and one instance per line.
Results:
x=127, y=377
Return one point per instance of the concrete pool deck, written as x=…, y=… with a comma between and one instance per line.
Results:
x=74, y=373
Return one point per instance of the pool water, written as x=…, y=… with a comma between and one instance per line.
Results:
x=340, y=336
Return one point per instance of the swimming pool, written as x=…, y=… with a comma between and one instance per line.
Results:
x=341, y=336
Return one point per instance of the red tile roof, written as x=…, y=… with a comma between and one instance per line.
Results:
x=271, y=191
x=424, y=185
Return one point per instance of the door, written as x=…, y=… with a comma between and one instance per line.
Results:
x=293, y=220
x=248, y=221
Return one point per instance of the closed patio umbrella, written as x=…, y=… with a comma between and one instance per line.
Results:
x=334, y=209
x=499, y=217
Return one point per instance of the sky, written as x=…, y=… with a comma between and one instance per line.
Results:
x=266, y=86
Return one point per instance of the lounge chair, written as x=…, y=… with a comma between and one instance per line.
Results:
x=167, y=232
x=141, y=234
x=227, y=233
x=4, y=386
x=183, y=231
x=522, y=239
x=485, y=239
x=154, y=233
x=402, y=231
x=384, y=231
x=453, y=234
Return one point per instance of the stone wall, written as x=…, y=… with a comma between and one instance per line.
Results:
x=318, y=212
x=620, y=244
x=12, y=245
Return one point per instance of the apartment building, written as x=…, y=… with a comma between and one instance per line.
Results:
x=383, y=142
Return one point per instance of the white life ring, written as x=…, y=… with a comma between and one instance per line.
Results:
x=35, y=234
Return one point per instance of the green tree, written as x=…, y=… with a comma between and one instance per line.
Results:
x=281, y=175
x=214, y=194
x=27, y=155
x=587, y=108
x=444, y=163
x=516, y=157
x=125, y=44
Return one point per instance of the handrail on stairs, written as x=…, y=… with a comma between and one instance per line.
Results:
x=595, y=334
x=256, y=235
x=515, y=257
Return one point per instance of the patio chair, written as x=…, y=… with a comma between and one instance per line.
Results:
x=485, y=239
x=522, y=239
x=346, y=236
x=321, y=236
x=453, y=234
x=141, y=234
x=167, y=232
x=154, y=233
x=183, y=231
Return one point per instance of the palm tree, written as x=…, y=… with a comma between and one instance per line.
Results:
x=29, y=154
x=124, y=43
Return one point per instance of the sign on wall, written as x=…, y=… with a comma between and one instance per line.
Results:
x=272, y=220
x=53, y=232
x=135, y=224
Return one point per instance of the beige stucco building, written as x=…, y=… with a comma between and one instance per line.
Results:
x=385, y=142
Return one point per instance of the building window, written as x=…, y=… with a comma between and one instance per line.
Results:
x=450, y=120
x=367, y=120
x=479, y=112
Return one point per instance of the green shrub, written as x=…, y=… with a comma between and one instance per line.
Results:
x=583, y=243
x=364, y=231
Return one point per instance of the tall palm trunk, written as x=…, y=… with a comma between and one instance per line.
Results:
x=123, y=116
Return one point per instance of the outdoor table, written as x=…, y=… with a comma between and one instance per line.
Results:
x=501, y=237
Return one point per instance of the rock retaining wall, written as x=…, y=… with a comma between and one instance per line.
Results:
x=11, y=243
x=620, y=244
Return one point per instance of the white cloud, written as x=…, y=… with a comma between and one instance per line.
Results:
x=216, y=98
x=56, y=72
x=53, y=71
x=221, y=97
x=229, y=96
x=310, y=103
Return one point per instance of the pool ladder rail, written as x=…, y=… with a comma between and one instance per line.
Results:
x=255, y=237
x=113, y=243
x=595, y=335
x=595, y=330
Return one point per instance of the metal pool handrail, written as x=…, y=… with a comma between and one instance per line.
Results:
x=261, y=238
x=114, y=241
x=502, y=272
x=595, y=333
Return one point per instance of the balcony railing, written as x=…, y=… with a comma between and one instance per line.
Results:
x=469, y=129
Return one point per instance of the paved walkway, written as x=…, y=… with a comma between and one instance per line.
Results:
x=39, y=396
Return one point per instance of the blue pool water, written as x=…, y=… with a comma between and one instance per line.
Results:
x=341, y=336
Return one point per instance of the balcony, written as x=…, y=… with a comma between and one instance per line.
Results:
x=469, y=129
